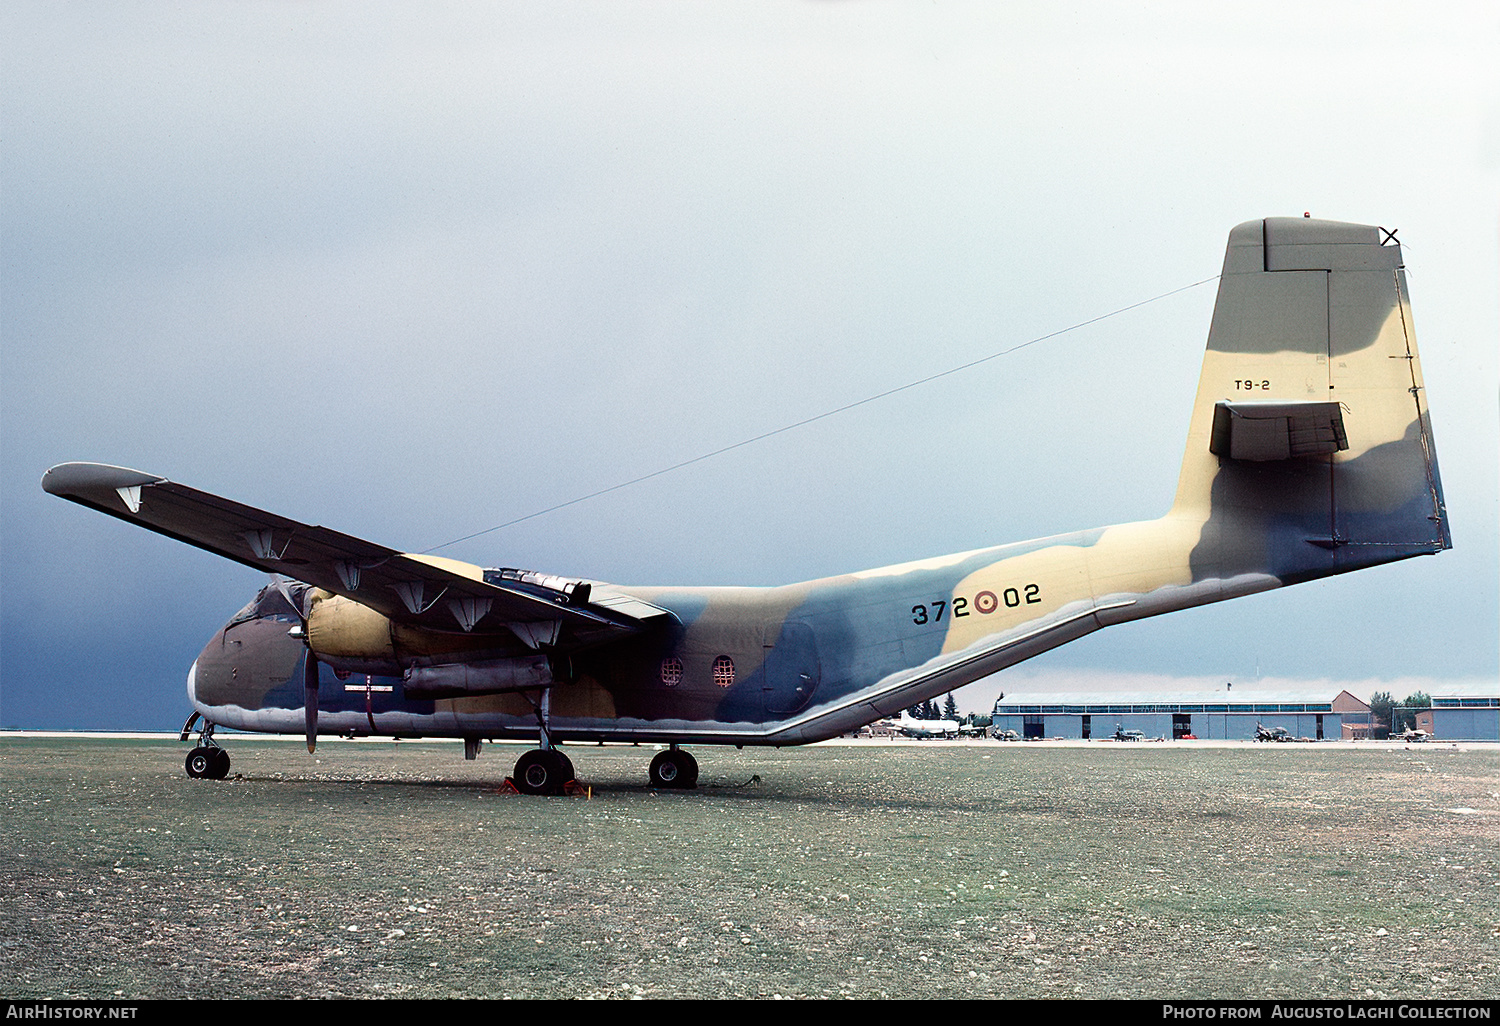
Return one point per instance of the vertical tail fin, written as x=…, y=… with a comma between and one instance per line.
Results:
x=1310, y=451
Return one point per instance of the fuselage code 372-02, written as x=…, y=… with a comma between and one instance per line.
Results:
x=985, y=602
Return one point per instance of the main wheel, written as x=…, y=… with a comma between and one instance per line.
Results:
x=674, y=768
x=543, y=771
x=200, y=763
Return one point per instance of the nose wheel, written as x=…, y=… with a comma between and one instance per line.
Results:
x=207, y=763
x=674, y=768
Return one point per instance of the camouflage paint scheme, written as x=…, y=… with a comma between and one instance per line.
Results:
x=1309, y=313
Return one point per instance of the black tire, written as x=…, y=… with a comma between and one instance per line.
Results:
x=674, y=769
x=220, y=768
x=199, y=763
x=542, y=771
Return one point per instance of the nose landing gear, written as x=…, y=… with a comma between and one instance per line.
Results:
x=207, y=761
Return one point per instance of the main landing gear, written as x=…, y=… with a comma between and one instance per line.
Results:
x=674, y=768
x=543, y=771
x=207, y=761
x=549, y=771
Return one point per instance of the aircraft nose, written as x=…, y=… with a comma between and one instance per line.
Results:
x=192, y=683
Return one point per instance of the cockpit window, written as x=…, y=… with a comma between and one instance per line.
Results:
x=271, y=604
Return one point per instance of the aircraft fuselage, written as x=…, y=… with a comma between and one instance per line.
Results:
x=770, y=666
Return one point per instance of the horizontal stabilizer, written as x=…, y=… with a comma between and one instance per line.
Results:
x=1262, y=432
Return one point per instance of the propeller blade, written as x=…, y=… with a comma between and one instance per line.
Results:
x=310, y=699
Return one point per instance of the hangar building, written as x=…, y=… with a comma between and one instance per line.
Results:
x=1217, y=713
x=1469, y=715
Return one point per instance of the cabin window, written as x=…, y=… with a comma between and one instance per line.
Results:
x=724, y=671
x=671, y=671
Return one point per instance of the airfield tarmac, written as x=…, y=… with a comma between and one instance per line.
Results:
x=868, y=869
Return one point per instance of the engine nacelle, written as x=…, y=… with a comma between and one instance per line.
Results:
x=348, y=636
x=352, y=637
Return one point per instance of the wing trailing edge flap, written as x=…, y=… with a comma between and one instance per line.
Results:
x=431, y=592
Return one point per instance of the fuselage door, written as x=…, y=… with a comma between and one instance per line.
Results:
x=791, y=668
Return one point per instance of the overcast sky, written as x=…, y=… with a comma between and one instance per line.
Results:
x=414, y=270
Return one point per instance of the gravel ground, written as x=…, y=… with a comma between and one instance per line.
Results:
x=862, y=870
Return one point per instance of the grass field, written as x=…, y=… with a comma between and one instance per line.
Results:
x=861, y=870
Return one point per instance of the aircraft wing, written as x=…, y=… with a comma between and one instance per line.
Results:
x=426, y=591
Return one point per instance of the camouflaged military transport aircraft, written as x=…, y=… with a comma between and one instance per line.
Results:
x=1309, y=453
